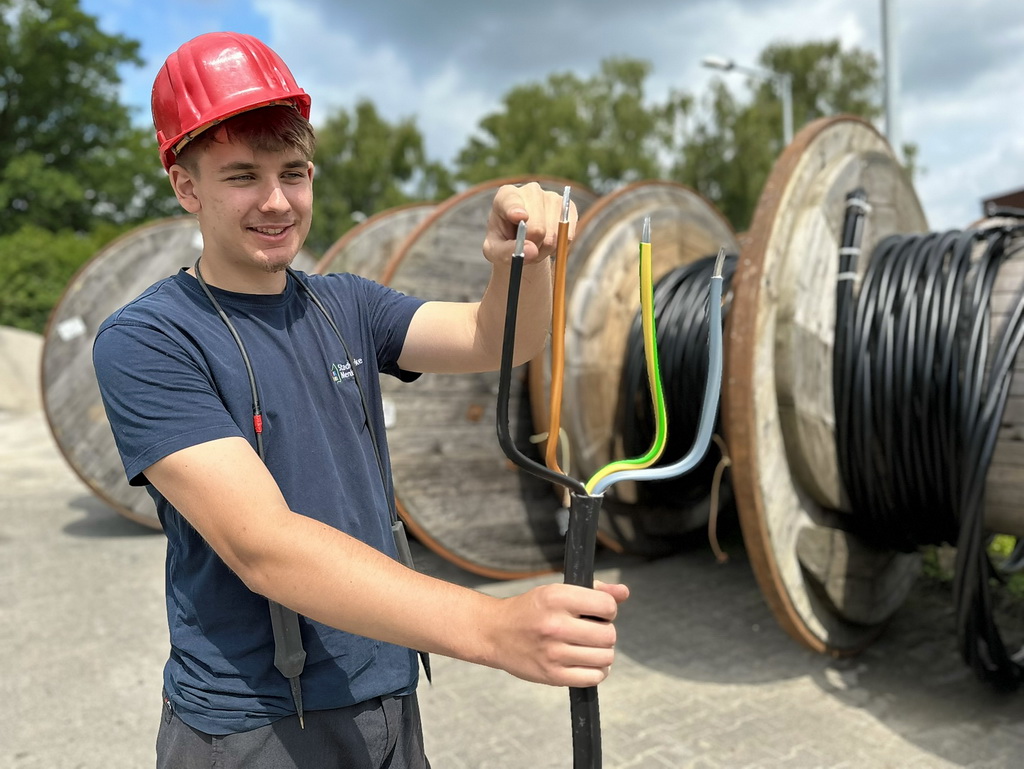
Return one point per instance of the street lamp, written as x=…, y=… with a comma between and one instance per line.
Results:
x=782, y=81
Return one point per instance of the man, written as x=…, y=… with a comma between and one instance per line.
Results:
x=246, y=397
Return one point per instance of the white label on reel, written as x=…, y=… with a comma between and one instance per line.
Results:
x=72, y=328
x=390, y=412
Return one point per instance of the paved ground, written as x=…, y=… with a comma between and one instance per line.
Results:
x=704, y=678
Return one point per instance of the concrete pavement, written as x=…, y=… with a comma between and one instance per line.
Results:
x=704, y=677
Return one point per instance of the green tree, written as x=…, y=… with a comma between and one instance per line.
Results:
x=598, y=131
x=365, y=165
x=69, y=154
x=729, y=153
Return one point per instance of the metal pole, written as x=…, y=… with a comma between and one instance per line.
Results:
x=890, y=65
x=786, y=87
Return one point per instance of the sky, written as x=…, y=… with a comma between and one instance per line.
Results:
x=959, y=64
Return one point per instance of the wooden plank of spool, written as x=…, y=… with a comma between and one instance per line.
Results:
x=456, y=490
x=115, y=275
x=829, y=591
x=602, y=300
x=367, y=248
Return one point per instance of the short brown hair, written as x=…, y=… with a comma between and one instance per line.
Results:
x=265, y=129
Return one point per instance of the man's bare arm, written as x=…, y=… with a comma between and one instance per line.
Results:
x=452, y=337
x=224, y=490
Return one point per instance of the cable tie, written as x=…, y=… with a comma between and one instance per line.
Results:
x=850, y=251
x=847, y=276
x=863, y=205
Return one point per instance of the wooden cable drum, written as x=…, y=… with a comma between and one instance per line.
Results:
x=602, y=299
x=827, y=589
x=456, y=490
x=115, y=275
x=366, y=248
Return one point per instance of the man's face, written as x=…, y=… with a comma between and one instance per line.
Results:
x=253, y=207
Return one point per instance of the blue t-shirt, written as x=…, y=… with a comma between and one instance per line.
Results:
x=171, y=376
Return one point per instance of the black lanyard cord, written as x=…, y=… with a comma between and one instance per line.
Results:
x=289, y=656
x=359, y=386
x=257, y=413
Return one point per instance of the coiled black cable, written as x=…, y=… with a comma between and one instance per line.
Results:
x=681, y=318
x=920, y=392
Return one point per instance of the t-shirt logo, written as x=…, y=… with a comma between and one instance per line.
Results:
x=340, y=371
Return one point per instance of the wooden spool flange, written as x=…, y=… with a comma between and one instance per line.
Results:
x=1004, y=484
x=827, y=589
x=456, y=490
x=602, y=298
x=115, y=275
x=367, y=248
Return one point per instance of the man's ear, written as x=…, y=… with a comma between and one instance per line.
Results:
x=311, y=170
x=184, y=188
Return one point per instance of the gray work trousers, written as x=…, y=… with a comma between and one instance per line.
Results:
x=382, y=733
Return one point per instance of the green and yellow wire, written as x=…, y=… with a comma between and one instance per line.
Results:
x=653, y=371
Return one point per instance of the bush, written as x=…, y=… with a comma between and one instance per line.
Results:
x=36, y=265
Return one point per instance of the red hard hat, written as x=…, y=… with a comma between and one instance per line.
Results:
x=213, y=77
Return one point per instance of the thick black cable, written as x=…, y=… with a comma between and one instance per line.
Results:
x=581, y=536
x=681, y=319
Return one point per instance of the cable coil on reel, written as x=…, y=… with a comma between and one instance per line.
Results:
x=921, y=386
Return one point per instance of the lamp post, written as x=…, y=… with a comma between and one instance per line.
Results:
x=782, y=81
x=892, y=80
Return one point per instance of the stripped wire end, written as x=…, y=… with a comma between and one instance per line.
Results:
x=719, y=263
x=517, y=253
x=645, y=235
x=562, y=242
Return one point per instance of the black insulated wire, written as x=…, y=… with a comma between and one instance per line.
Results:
x=505, y=439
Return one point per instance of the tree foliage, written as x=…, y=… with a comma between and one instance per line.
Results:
x=729, y=152
x=598, y=131
x=365, y=165
x=69, y=154
x=74, y=170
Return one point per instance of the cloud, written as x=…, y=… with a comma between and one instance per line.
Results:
x=970, y=149
x=947, y=46
x=339, y=67
x=448, y=63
